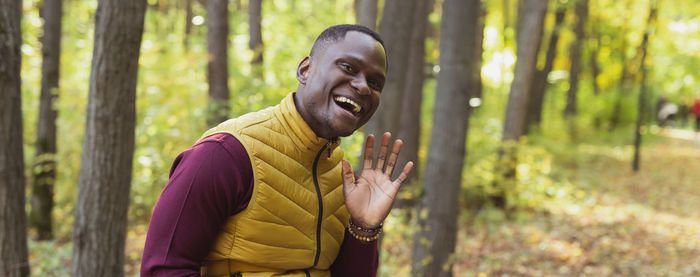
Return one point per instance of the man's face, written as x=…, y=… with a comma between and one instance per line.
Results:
x=340, y=86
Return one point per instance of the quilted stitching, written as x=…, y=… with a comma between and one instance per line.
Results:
x=282, y=148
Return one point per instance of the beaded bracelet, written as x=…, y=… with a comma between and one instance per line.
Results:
x=369, y=231
x=363, y=238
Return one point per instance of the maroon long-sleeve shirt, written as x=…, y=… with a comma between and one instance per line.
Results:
x=210, y=182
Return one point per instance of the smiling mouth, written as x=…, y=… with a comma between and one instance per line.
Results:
x=347, y=104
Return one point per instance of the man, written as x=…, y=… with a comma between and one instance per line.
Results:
x=269, y=193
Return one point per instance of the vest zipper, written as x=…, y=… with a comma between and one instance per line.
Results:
x=320, y=202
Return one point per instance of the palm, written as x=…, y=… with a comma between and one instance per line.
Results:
x=369, y=199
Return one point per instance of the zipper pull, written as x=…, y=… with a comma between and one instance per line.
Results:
x=328, y=146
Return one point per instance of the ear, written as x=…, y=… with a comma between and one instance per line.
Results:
x=303, y=69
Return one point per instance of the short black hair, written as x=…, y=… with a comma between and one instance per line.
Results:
x=337, y=32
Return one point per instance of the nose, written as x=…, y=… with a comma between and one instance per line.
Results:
x=359, y=83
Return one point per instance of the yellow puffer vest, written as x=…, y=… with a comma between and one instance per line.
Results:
x=295, y=221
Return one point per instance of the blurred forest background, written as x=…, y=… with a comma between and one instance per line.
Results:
x=534, y=123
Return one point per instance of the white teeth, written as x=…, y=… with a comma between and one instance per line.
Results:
x=355, y=107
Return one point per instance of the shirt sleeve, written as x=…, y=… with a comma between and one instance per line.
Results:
x=356, y=258
x=208, y=183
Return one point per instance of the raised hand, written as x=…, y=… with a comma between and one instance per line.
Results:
x=369, y=198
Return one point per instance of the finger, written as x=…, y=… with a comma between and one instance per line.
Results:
x=369, y=152
x=348, y=177
x=383, y=149
x=393, y=188
x=404, y=173
x=392, y=158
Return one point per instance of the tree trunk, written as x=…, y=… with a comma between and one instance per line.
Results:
x=595, y=69
x=45, y=165
x=366, y=13
x=106, y=165
x=395, y=29
x=623, y=86
x=539, y=84
x=188, y=23
x=434, y=242
x=476, y=89
x=506, y=22
x=581, y=8
x=410, y=125
x=643, y=103
x=217, y=71
x=529, y=35
x=255, y=43
x=163, y=6
x=13, y=222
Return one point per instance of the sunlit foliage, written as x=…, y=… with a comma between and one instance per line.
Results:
x=583, y=183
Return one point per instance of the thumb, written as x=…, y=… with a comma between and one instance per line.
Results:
x=348, y=177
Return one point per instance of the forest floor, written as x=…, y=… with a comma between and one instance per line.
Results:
x=612, y=222
x=616, y=223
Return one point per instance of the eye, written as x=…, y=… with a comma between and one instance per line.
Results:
x=375, y=85
x=347, y=68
